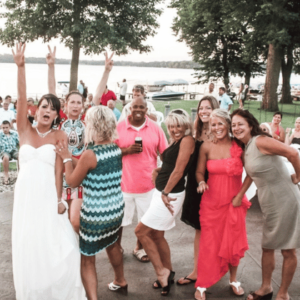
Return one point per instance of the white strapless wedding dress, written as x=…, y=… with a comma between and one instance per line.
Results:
x=46, y=257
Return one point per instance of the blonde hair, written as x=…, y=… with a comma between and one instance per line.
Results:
x=101, y=125
x=268, y=127
x=222, y=114
x=179, y=117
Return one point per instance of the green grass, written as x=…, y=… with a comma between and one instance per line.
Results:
x=12, y=167
x=290, y=111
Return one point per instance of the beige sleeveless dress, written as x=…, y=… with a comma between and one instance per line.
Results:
x=278, y=197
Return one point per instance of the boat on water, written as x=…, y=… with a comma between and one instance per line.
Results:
x=158, y=90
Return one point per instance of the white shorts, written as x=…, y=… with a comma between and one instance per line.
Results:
x=158, y=217
x=139, y=201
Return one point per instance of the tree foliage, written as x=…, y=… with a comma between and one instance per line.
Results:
x=91, y=25
x=219, y=38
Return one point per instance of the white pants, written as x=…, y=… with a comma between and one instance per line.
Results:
x=158, y=217
x=139, y=201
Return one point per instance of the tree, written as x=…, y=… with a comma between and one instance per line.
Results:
x=217, y=36
x=274, y=23
x=290, y=51
x=91, y=25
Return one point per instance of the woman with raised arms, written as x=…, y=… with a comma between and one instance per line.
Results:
x=46, y=257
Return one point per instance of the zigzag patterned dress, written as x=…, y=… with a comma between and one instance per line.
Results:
x=103, y=206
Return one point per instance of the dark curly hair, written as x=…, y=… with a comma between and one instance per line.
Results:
x=54, y=101
x=198, y=123
x=252, y=122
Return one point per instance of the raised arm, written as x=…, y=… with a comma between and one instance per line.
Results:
x=50, y=59
x=102, y=85
x=19, y=58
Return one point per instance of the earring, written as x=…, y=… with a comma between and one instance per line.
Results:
x=55, y=121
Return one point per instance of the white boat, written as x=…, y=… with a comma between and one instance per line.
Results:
x=157, y=86
x=162, y=93
x=167, y=95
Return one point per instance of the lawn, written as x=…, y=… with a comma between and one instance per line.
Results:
x=290, y=111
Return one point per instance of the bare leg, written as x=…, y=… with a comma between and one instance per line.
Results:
x=268, y=265
x=288, y=270
x=144, y=234
x=193, y=274
x=233, y=271
x=116, y=259
x=118, y=242
x=89, y=276
x=241, y=103
x=5, y=162
x=74, y=213
x=163, y=248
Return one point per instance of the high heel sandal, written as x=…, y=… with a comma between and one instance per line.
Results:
x=158, y=285
x=166, y=289
x=260, y=297
x=202, y=291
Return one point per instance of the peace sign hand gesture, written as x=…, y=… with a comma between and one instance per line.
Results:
x=19, y=57
x=50, y=58
x=108, y=62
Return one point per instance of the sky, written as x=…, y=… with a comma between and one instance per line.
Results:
x=164, y=43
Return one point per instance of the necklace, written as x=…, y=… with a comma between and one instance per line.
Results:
x=42, y=135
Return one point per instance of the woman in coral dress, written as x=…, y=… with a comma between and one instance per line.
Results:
x=222, y=214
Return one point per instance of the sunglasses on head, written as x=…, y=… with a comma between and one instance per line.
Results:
x=177, y=111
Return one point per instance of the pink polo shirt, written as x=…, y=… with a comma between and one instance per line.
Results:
x=137, y=168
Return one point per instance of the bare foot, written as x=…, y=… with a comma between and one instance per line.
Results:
x=163, y=277
x=261, y=292
x=199, y=295
x=239, y=292
x=185, y=280
x=120, y=283
x=282, y=296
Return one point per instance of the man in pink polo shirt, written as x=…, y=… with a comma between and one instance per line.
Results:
x=138, y=163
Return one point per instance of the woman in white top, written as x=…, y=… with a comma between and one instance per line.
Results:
x=46, y=257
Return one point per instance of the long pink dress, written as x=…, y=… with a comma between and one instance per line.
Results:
x=223, y=227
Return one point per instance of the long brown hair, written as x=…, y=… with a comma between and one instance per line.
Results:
x=198, y=125
x=252, y=122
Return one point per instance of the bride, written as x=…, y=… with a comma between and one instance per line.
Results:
x=46, y=257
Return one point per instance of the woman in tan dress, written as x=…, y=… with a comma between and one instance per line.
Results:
x=278, y=196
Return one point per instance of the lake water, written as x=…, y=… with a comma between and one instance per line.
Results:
x=36, y=75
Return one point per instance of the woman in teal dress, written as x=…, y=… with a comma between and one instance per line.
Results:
x=99, y=170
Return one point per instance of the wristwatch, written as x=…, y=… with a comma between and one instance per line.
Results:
x=164, y=193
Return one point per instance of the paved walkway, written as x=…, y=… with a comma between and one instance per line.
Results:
x=141, y=275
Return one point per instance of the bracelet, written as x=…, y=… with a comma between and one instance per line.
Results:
x=164, y=193
x=65, y=203
x=66, y=160
x=201, y=182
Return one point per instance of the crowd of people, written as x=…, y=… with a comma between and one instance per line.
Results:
x=93, y=172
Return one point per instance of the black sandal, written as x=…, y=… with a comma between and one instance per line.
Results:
x=186, y=283
x=166, y=289
x=260, y=297
x=158, y=285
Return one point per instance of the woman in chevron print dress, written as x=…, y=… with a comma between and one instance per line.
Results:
x=99, y=170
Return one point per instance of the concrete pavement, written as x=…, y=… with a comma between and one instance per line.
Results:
x=140, y=276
